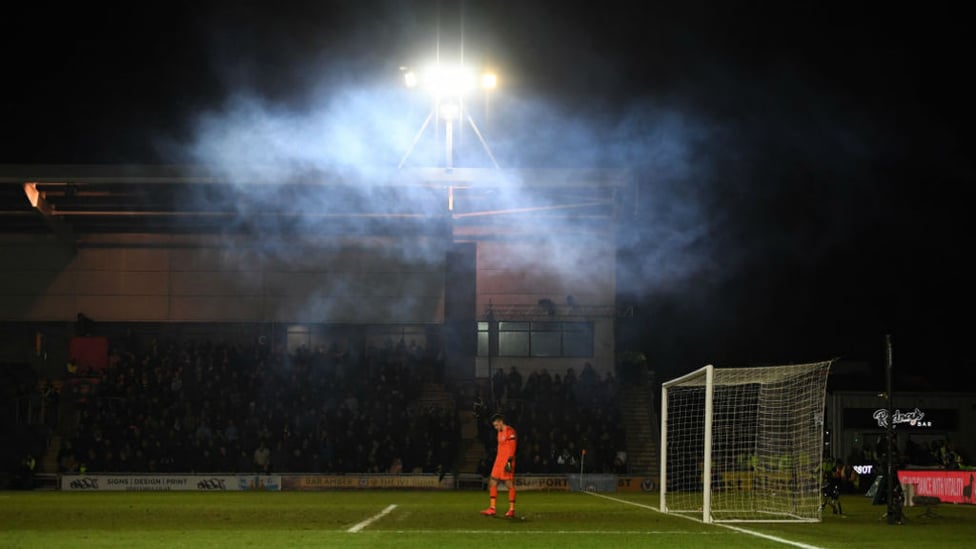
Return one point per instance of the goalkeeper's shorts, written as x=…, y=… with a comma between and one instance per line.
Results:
x=499, y=472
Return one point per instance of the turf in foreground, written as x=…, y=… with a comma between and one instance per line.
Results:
x=442, y=519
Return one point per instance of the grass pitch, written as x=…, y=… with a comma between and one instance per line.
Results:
x=438, y=519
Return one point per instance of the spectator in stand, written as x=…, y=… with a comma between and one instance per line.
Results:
x=224, y=460
x=203, y=434
x=50, y=399
x=538, y=462
x=566, y=461
x=203, y=458
x=568, y=391
x=609, y=387
x=948, y=456
x=556, y=389
x=545, y=382
x=245, y=463
x=498, y=383
x=262, y=459
x=620, y=462
x=587, y=384
x=479, y=407
x=513, y=383
x=67, y=460
x=231, y=435
x=295, y=462
x=396, y=467
x=25, y=479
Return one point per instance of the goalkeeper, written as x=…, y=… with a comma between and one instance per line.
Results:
x=504, y=468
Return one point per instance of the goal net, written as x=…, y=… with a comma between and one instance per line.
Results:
x=744, y=444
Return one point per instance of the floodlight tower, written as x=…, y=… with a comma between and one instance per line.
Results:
x=448, y=85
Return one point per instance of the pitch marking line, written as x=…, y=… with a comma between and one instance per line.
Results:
x=734, y=528
x=519, y=532
x=372, y=519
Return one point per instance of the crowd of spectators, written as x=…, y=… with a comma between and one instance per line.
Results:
x=208, y=407
x=942, y=453
x=557, y=418
x=27, y=420
x=935, y=453
x=202, y=406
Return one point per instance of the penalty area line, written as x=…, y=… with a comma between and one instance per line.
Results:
x=372, y=519
x=733, y=528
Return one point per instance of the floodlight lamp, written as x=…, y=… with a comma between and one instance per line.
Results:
x=489, y=81
x=410, y=79
x=448, y=80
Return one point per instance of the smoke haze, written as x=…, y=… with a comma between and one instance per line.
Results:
x=801, y=168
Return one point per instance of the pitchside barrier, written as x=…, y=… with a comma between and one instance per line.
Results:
x=154, y=483
x=593, y=483
x=292, y=482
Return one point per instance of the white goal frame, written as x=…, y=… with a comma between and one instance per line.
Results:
x=744, y=444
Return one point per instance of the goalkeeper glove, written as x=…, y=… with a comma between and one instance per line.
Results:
x=508, y=465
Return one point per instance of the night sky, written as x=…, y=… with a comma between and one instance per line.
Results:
x=805, y=168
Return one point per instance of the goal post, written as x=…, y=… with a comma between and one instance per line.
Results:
x=744, y=444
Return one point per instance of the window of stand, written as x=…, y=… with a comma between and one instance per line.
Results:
x=538, y=339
